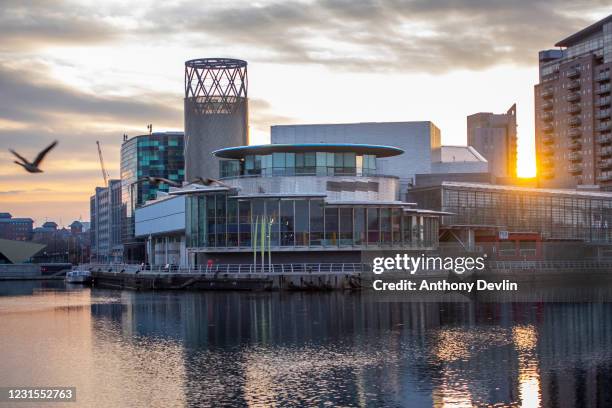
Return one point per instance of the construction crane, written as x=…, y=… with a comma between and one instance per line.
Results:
x=104, y=172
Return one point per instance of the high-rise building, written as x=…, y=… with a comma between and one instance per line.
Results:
x=572, y=110
x=494, y=136
x=16, y=229
x=159, y=154
x=105, y=217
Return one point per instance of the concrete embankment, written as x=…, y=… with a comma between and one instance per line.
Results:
x=33, y=271
x=225, y=281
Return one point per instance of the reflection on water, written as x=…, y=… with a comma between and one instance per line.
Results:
x=260, y=349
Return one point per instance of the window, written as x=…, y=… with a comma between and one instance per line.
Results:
x=287, y=223
x=346, y=226
x=331, y=226
x=373, y=226
x=316, y=222
x=301, y=222
x=244, y=218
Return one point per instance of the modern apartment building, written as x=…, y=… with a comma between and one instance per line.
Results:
x=572, y=110
x=105, y=228
x=494, y=136
x=159, y=154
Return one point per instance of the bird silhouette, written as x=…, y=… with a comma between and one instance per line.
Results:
x=159, y=180
x=33, y=167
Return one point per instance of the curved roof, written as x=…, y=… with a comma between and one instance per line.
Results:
x=241, y=151
x=216, y=63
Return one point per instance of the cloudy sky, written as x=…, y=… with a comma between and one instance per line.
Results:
x=93, y=70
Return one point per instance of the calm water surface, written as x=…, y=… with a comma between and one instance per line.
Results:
x=170, y=349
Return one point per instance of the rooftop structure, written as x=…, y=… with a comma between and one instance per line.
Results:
x=216, y=112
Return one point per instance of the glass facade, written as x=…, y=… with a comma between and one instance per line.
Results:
x=554, y=215
x=296, y=164
x=222, y=221
x=155, y=155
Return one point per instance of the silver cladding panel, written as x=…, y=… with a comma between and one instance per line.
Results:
x=207, y=131
x=387, y=186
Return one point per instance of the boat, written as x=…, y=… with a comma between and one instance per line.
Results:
x=78, y=276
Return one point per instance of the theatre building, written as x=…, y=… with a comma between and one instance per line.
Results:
x=301, y=203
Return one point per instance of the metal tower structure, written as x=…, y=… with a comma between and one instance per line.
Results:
x=216, y=112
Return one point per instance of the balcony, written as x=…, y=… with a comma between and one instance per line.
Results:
x=576, y=132
x=548, y=163
x=604, y=127
x=573, y=73
x=603, y=102
x=548, y=128
x=574, y=122
x=603, y=76
x=604, y=177
x=603, y=89
x=548, y=173
x=574, y=97
x=575, y=109
x=547, y=116
x=548, y=151
x=547, y=106
x=604, y=139
x=548, y=139
x=547, y=93
x=605, y=151
x=575, y=169
x=603, y=114
x=575, y=145
x=573, y=85
x=605, y=164
x=575, y=156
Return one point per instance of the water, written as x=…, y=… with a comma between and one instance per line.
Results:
x=165, y=349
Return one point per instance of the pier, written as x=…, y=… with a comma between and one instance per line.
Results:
x=320, y=276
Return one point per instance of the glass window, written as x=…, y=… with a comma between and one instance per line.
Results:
x=301, y=223
x=232, y=223
x=359, y=236
x=385, y=225
x=272, y=217
x=244, y=217
x=346, y=226
x=331, y=226
x=220, y=220
x=396, y=220
x=287, y=223
x=316, y=222
x=373, y=226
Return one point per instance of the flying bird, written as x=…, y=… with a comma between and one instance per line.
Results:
x=159, y=180
x=33, y=167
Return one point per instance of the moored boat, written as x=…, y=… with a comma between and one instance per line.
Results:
x=78, y=276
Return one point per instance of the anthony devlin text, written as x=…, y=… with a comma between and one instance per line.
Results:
x=444, y=285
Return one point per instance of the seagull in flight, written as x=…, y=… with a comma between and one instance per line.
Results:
x=159, y=180
x=33, y=167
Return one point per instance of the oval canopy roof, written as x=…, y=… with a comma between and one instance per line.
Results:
x=241, y=151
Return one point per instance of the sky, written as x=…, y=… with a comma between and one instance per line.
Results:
x=78, y=72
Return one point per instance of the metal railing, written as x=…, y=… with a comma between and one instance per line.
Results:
x=241, y=269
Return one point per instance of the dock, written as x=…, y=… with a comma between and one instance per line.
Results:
x=245, y=277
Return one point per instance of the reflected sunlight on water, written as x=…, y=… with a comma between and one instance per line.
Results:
x=142, y=349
